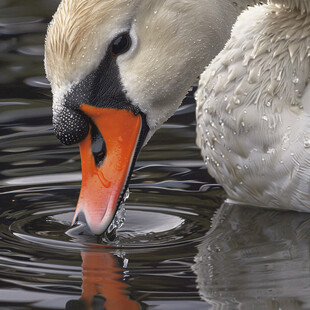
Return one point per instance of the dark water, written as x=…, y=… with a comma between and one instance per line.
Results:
x=165, y=256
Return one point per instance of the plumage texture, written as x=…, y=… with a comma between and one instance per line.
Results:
x=73, y=38
x=253, y=110
x=302, y=5
x=77, y=39
x=169, y=50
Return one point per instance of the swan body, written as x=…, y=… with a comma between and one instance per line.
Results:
x=253, y=109
x=120, y=68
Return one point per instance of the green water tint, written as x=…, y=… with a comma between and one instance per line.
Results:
x=164, y=256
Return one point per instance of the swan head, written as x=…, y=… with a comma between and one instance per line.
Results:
x=119, y=69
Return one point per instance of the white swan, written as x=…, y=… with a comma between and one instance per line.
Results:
x=122, y=67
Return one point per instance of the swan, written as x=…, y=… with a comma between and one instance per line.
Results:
x=120, y=68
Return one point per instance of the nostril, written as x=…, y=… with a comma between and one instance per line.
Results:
x=70, y=126
x=98, y=145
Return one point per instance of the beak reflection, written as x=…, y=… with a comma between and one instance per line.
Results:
x=103, y=286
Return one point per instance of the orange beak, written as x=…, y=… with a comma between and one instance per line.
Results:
x=103, y=183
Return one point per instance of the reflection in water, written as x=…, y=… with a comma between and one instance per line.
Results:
x=255, y=259
x=103, y=286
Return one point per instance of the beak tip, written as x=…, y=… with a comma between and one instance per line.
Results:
x=87, y=226
x=79, y=225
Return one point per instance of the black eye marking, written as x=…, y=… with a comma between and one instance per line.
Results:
x=121, y=44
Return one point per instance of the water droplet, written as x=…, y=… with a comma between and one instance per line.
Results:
x=268, y=103
x=126, y=195
x=238, y=167
x=307, y=142
x=236, y=100
x=265, y=118
x=295, y=80
x=228, y=108
x=119, y=218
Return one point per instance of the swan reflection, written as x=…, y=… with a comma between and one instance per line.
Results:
x=255, y=259
x=103, y=286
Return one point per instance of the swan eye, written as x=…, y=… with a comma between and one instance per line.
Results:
x=121, y=44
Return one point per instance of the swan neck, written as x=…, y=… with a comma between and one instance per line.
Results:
x=301, y=5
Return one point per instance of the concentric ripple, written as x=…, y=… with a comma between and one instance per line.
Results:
x=162, y=228
x=145, y=225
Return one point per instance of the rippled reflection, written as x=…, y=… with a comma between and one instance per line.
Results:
x=255, y=259
x=103, y=285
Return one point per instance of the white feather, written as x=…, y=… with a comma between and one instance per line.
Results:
x=253, y=113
